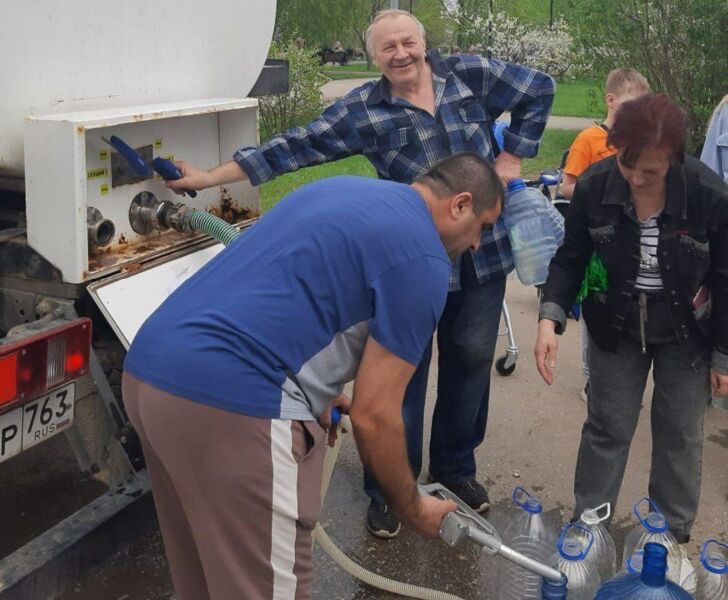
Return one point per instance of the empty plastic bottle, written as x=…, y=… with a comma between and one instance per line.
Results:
x=650, y=584
x=535, y=229
x=653, y=528
x=554, y=590
x=713, y=571
x=603, y=554
x=687, y=577
x=529, y=533
x=574, y=545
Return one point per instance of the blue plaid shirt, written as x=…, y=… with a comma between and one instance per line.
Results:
x=403, y=141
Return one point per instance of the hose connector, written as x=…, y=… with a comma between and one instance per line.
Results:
x=100, y=231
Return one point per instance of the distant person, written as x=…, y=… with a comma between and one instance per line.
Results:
x=715, y=149
x=590, y=146
x=299, y=42
x=423, y=109
x=455, y=50
x=337, y=47
x=473, y=50
x=657, y=220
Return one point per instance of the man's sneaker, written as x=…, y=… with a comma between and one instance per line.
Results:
x=473, y=494
x=584, y=394
x=381, y=522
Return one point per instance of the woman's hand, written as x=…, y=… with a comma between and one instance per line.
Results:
x=545, y=350
x=719, y=383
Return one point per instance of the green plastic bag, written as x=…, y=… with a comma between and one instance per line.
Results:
x=595, y=278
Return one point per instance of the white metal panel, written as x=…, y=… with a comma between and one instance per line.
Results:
x=59, y=56
x=127, y=301
x=69, y=169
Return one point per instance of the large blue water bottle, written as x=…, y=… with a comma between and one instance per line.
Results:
x=713, y=571
x=574, y=545
x=529, y=533
x=554, y=590
x=535, y=229
x=650, y=584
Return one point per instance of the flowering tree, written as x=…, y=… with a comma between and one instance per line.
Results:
x=548, y=49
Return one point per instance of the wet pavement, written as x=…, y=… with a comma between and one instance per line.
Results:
x=532, y=440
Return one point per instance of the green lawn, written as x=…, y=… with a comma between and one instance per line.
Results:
x=553, y=144
x=351, y=71
x=579, y=99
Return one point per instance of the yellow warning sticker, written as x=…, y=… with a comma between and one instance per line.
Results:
x=103, y=154
x=97, y=173
x=104, y=189
x=158, y=143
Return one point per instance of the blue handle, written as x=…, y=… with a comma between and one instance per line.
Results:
x=335, y=416
x=168, y=170
x=132, y=156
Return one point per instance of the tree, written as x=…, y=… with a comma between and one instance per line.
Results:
x=679, y=45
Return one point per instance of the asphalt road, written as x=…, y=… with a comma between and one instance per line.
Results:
x=533, y=436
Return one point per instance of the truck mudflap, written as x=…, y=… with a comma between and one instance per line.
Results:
x=58, y=557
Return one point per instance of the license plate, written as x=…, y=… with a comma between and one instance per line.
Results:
x=36, y=421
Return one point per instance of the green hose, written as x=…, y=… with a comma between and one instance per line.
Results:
x=221, y=230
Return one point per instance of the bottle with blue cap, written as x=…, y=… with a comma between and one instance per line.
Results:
x=653, y=527
x=650, y=583
x=603, y=553
x=531, y=534
x=555, y=590
x=687, y=579
x=535, y=230
x=573, y=547
x=713, y=571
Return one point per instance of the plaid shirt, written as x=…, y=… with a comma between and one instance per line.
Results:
x=403, y=141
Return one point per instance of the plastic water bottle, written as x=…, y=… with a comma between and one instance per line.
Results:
x=653, y=528
x=535, y=229
x=554, y=590
x=532, y=535
x=574, y=545
x=687, y=579
x=650, y=584
x=713, y=571
x=603, y=553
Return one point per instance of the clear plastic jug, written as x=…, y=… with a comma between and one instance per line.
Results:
x=650, y=584
x=529, y=533
x=713, y=571
x=687, y=579
x=653, y=527
x=573, y=547
x=603, y=553
x=535, y=230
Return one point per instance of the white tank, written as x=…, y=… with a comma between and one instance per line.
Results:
x=58, y=56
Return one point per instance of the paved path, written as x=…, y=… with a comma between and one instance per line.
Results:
x=338, y=88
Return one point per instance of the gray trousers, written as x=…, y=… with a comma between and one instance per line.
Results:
x=616, y=386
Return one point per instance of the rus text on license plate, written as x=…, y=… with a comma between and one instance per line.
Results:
x=33, y=422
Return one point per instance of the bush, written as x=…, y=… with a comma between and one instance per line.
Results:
x=304, y=100
x=679, y=45
x=548, y=49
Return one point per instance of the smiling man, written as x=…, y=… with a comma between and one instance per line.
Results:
x=345, y=278
x=424, y=109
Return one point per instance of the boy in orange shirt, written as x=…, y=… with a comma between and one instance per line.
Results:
x=590, y=146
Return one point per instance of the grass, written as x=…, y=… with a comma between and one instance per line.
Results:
x=579, y=98
x=356, y=70
x=553, y=144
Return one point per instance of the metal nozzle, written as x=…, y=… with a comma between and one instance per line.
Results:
x=100, y=231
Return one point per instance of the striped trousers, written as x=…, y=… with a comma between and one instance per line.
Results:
x=237, y=497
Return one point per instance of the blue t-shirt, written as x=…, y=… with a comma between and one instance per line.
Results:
x=275, y=324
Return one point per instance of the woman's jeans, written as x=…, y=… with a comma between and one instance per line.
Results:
x=616, y=386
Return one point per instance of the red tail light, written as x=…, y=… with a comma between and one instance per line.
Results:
x=36, y=364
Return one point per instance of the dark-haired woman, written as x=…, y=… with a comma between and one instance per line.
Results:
x=657, y=220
